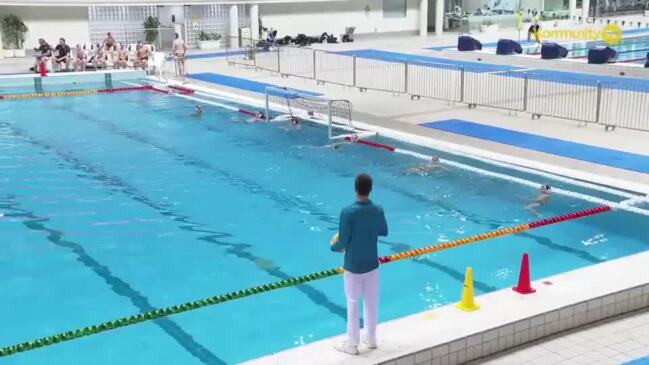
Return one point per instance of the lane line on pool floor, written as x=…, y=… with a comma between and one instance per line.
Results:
x=321, y=298
x=117, y=285
x=313, y=210
x=218, y=299
x=238, y=249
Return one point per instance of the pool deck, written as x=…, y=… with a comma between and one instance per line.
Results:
x=610, y=342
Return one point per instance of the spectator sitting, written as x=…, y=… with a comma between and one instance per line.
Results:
x=80, y=59
x=122, y=57
x=142, y=54
x=43, y=53
x=99, y=58
x=61, y=55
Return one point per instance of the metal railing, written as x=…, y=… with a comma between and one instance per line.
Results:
x=613, y=104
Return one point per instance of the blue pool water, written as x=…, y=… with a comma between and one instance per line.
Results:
x=115, y=204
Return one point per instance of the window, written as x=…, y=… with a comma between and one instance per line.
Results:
x=394, y=8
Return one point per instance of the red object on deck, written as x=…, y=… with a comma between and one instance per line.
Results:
x=42, y=69
x=524, y=282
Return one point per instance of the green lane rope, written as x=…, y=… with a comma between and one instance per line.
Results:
x=158, y=313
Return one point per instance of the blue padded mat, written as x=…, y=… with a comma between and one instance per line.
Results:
x=239, y=83
x=577, y=151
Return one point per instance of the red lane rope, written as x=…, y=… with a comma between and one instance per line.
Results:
x=153, y=88
x=372, y=144
x=247, y=112
x=569, y=216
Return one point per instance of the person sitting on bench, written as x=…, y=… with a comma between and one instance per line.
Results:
x=43, y=54
x=61, y=55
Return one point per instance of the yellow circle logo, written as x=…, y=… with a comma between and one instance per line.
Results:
x=611, y=34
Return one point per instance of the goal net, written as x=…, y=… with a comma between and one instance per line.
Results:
x=287, y=104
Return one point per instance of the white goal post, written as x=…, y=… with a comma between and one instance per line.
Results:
x=286, y=104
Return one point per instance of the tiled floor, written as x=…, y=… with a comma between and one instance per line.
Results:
x=607, y=342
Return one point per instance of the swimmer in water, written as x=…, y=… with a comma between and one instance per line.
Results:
x=198, y=111
x=295, y=123
x=423, y=169
x=259, y=116
x=256, y=117
x=542, y=199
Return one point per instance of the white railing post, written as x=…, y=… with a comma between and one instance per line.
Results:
x=330, y=117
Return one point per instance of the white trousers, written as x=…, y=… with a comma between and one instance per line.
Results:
x=366, y=286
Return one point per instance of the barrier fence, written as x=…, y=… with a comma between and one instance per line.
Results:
x=217, y=299
x=613, y=104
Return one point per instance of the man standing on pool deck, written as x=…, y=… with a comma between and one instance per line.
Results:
x=360, y=226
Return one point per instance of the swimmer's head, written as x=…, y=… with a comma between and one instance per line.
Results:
x=434, y=159
x=198, y=108
x=545, y=188
x=295, y=120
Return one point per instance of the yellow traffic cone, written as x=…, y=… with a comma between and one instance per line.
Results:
x=468, y=299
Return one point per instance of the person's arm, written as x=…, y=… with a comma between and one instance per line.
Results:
x=344, y=233
x=383, y=225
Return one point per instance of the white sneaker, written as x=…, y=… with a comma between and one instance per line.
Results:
x=370, y=344
x=347, y=348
